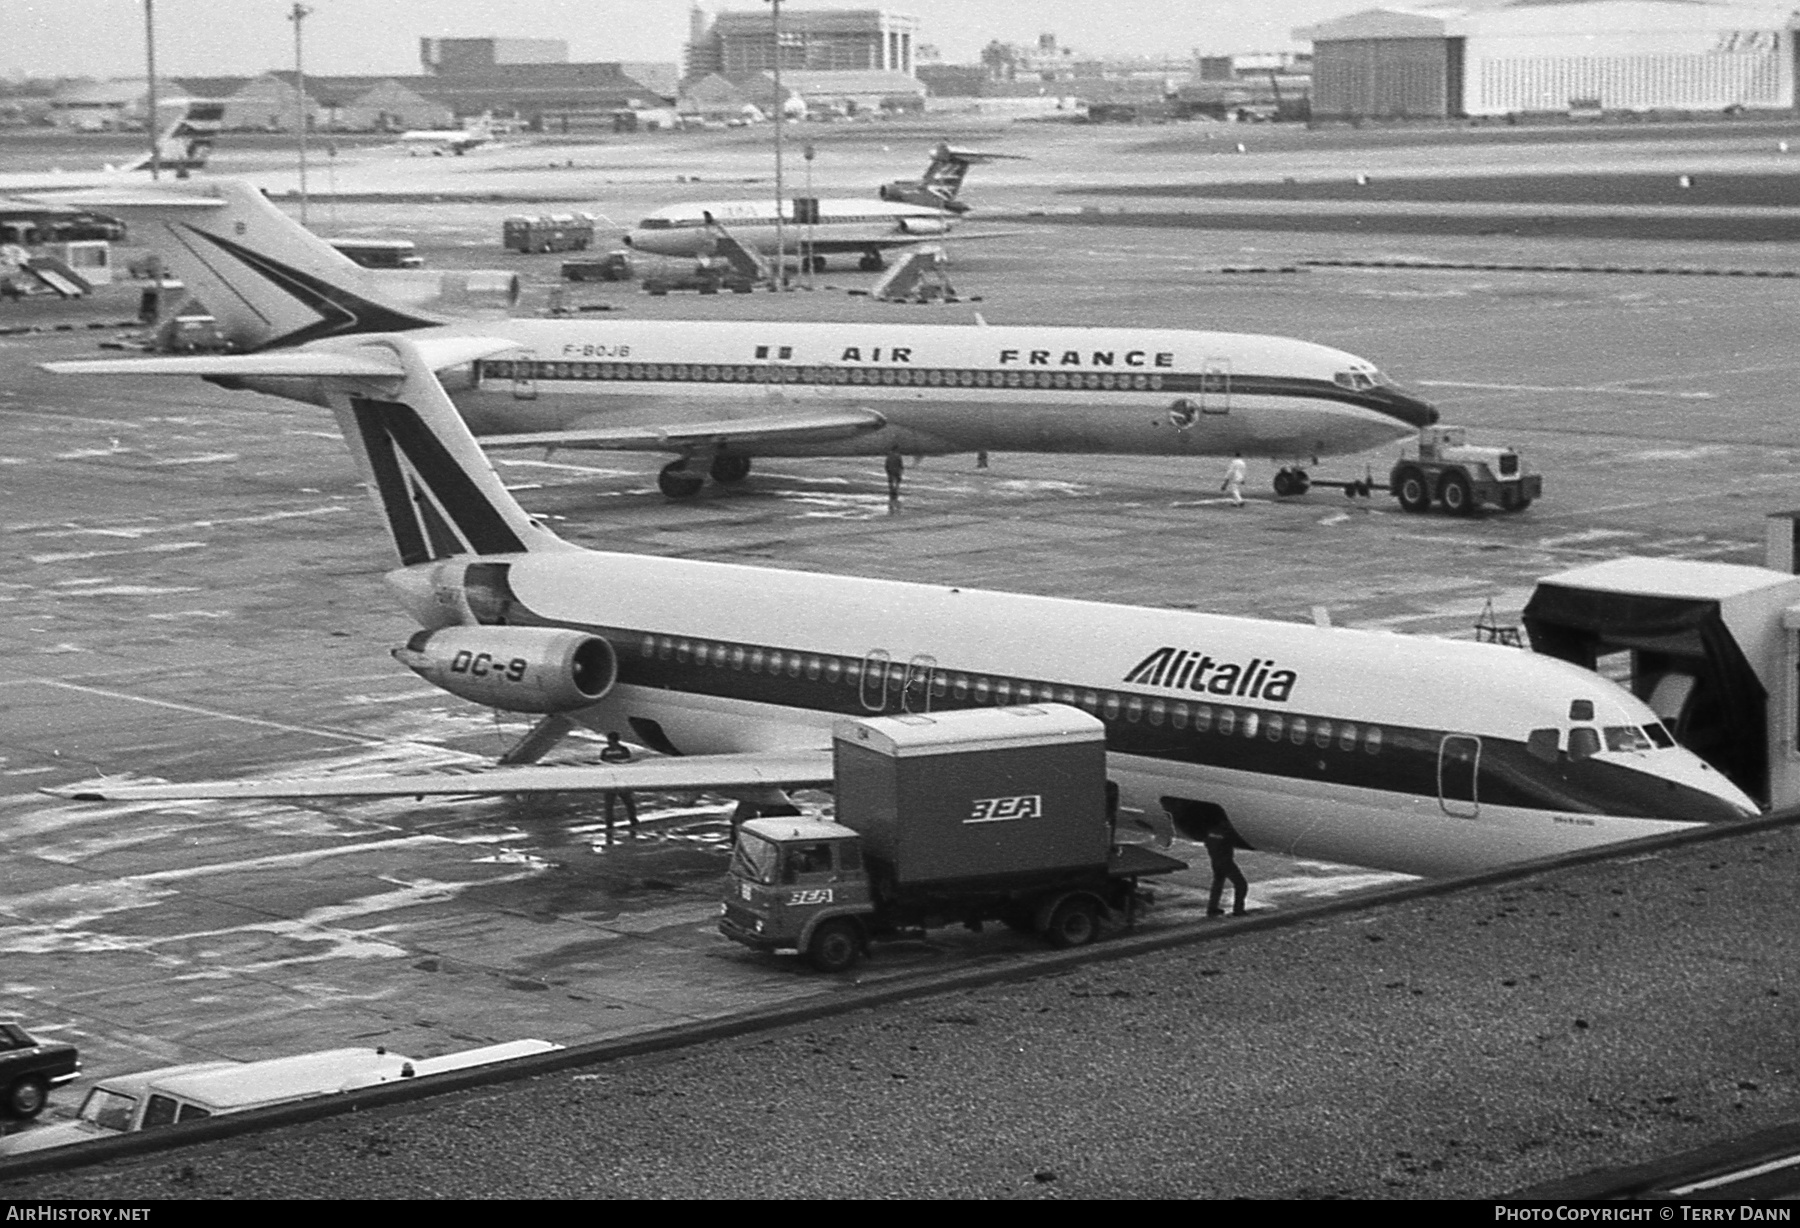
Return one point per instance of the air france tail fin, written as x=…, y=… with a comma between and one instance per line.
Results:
x=435, y=489
x=267, y=280
x=187, y=142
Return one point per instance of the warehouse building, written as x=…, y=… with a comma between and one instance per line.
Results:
x=1527, y=56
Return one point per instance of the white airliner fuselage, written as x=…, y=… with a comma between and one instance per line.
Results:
x=944, y=388
x=866, y=226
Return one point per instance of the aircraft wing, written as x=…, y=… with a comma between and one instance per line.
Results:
x=783, y=428
x=674, y=774
x=350, y=362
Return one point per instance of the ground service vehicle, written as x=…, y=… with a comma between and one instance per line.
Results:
x=552, y=232
x=614, y=266
x=381, y=253
x=1461, y=477
x=29, y=1068
x=198, y=1090
x=961, y=817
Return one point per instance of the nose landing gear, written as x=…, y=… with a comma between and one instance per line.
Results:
x=1292, y=481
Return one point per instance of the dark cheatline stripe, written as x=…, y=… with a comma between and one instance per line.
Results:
x=479, y=522
x=1220, y=388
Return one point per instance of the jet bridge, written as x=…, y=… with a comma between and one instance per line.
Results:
x=1713, y=648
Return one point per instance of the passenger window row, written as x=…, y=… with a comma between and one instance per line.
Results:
x=981, y=690
x=768, y=374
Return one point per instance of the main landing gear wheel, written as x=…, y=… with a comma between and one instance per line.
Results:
x=728, y=468
x=1292, y=482
x=815, y=264
x=1412, y=490
x=677, y=482
x=1075, y=923
x=1457, y=497
x=835, y=946
x=871, y=262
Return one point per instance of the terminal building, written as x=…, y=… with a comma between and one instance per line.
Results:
x=736, y=44
x=1520, y=57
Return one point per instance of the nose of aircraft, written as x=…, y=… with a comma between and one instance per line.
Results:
x=1406, y=407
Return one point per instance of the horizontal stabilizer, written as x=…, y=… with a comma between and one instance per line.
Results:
x=790, y=428
x=346, y=362
x=126, y=196
x=675, y=774
x=976, y=157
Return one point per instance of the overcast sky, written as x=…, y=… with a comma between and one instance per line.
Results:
x=103, y=38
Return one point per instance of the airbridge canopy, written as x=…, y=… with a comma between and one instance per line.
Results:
x=1702, y=643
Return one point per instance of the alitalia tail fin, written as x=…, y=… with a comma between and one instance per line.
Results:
x=434, y=488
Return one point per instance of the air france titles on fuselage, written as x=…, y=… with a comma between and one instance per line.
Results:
x=1188, y=669
x=1161, y=360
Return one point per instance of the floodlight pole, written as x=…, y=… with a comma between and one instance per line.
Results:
x=780, y=275
x=298, y=15
x=150, y=60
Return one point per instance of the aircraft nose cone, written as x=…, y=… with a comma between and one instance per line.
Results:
x=1408, y=409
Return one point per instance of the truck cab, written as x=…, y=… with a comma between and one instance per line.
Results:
x=788, y=877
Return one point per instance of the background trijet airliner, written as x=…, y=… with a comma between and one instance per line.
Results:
x=719, y=393
x=904, y=213
x=1411, y=754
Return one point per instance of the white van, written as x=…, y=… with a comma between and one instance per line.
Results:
x=173, y=1094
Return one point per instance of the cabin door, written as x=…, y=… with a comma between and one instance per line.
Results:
x=915, y=692
x=524, y=376
x=874, y=683
x=1215, y=386
x=1459, y=770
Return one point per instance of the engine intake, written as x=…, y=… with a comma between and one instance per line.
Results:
x=516, y=669
x=924, y=225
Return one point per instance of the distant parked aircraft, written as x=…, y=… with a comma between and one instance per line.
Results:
x=903, y=213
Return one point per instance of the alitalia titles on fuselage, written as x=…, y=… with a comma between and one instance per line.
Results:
x=1189, y=669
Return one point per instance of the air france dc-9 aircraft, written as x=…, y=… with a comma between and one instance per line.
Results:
x=1410, y=754
x=717, y=394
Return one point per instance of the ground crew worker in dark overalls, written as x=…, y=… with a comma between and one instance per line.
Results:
x=896, y=469
x=616, y=751
x=1220, y=850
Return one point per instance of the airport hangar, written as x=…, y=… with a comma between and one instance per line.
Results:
x=1476, y=61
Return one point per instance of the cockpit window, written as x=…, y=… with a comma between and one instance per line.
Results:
x=1584, y=742
x=1361, y=379
x=1628, y=737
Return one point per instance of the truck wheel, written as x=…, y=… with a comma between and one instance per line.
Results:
x=1075, y=923
x=835, y=946
x=1457, y=497
x=1411, y=489
x=26, y=1098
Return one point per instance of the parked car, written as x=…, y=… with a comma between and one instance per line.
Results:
x=29, y=1068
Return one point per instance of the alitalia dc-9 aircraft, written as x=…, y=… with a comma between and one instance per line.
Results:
x=1412, y=754
x=717, y=394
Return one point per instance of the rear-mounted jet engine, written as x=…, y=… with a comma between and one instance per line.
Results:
x=518, y=669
